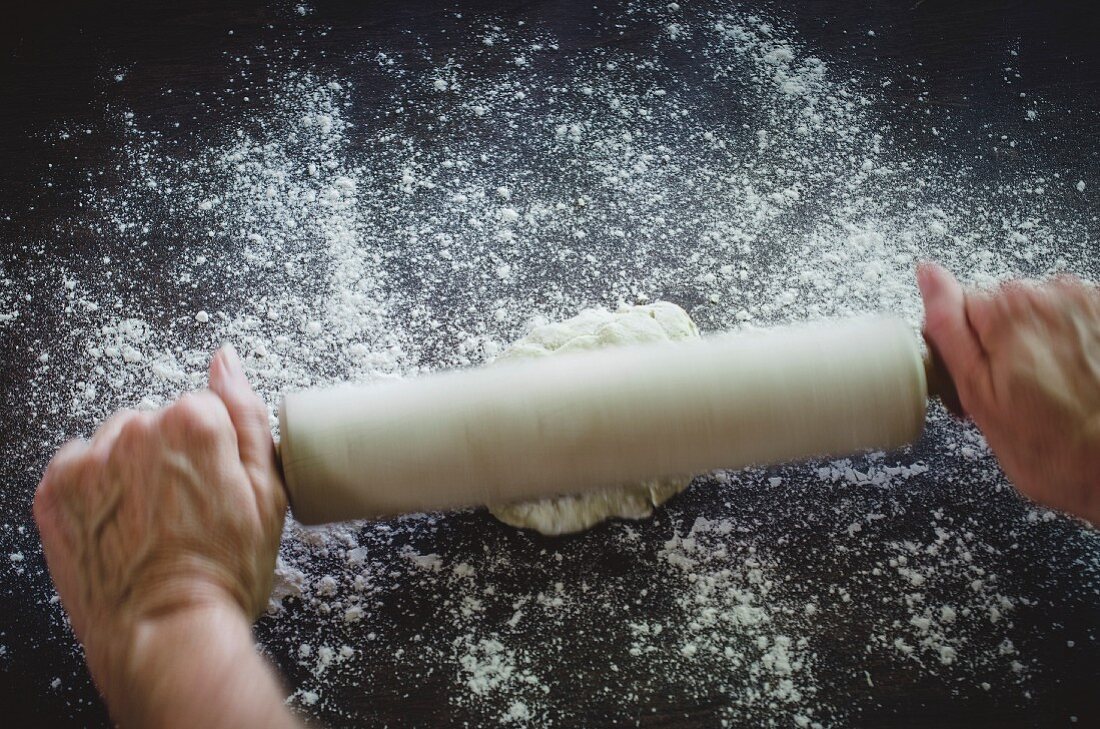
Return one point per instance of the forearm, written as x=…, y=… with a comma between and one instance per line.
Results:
x=193, y=668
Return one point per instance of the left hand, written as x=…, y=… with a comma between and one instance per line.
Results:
x=163, y=512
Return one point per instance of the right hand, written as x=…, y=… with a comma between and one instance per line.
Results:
x=1026, y=363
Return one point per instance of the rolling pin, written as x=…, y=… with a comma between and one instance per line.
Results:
x=573, y=422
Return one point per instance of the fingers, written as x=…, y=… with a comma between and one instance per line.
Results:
x=246, y=410
x=1083, y=298
x=59, y=475
x=948, y=331
x=64, y=470
x=57, y=509
x=1071, y=283
x=249, y=416
x=67, y=456
x=106, y=434
x=197, y=419
x=998, y=318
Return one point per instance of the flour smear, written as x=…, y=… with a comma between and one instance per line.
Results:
x=517, y=181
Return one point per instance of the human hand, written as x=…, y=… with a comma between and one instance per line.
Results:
x=1025, y=360
x=161, y=513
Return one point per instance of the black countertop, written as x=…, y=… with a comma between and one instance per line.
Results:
x=953, y=82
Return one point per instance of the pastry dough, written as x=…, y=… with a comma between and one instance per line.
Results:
x=592, y=329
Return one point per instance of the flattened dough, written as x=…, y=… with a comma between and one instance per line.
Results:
x=592, y=329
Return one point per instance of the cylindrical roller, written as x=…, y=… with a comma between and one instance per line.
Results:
x=569, y=423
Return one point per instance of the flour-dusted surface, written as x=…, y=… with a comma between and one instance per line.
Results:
x=595, y=329
x=349, y=196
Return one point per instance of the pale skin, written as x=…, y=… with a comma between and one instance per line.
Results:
x=1025, y=360
x=161, y=531
x=161, y=534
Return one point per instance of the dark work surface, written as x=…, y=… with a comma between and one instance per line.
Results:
x=55, y=64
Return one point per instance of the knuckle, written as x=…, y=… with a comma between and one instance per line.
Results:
x=69, y=451
x=934, y=317
x=936, y=320
x=1042, y=302
x=1067, y=280
x=1075, y=292
x=1013, y=298
x=197, y=415
x=134, y=427
x=66, y=457
x=46, y=499
x=62, y=473
x=1015, y=287
x=43, y=498
x=258, y=408
x=188, y=411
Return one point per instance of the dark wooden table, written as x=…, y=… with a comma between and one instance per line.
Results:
x=55, y=69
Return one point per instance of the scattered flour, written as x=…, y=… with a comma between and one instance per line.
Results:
x=329, y=242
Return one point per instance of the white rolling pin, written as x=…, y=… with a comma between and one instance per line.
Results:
x=569, y=423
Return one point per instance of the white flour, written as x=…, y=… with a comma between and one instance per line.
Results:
x=479, y=194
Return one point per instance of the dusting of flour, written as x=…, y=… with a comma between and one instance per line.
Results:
x=518, y=181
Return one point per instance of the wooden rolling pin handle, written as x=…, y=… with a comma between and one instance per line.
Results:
x=939, y=381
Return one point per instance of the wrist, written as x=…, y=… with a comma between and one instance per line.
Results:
x=144, y=665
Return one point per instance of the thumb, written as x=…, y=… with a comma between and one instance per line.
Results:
x=947, y=329
x=249, y=416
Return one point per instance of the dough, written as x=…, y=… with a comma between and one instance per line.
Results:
x=592, y=329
